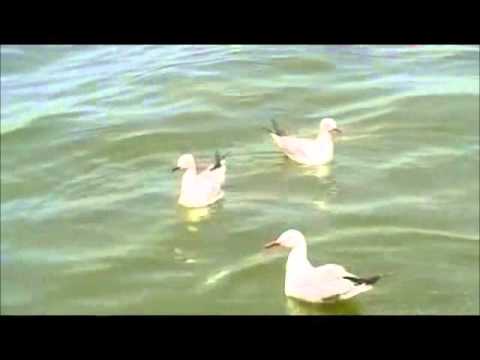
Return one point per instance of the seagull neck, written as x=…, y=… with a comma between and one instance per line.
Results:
x=189, y=175
x=324, y=136
x=297, y=259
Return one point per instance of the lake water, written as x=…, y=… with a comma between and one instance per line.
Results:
x=89, y=219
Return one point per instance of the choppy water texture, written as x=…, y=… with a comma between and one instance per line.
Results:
x=89, y=221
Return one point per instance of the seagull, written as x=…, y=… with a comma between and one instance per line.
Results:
x=326, y=283
x=201, y=187
x=307, y=151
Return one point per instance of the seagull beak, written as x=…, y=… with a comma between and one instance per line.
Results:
x=336, y=130
x=175, y=168
x=271, y=244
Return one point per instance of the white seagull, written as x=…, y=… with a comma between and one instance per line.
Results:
x=201, y=187
x=311, y=152
x=325, y=283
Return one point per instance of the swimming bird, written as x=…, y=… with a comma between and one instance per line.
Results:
x=201, y=187
x=326, y=283
x=311, y=152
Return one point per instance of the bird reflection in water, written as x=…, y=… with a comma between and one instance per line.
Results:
x=194, y=216
x=297, y=307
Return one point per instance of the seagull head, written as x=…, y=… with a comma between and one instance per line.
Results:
x=329, y=125
x=184, y=162
x=289, y=239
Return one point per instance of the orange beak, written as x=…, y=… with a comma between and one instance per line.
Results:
x=271, y=244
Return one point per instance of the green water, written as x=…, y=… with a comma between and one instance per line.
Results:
x=89, y=220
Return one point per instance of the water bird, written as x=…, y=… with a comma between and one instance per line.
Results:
x=201, y=187
x=322, y=284
x=312, y=152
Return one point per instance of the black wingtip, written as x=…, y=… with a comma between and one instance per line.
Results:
x=368, y=281
x=276, y=129
x=218, y=159
x=372, y=280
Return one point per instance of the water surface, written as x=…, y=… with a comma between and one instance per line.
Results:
x=89, y=220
